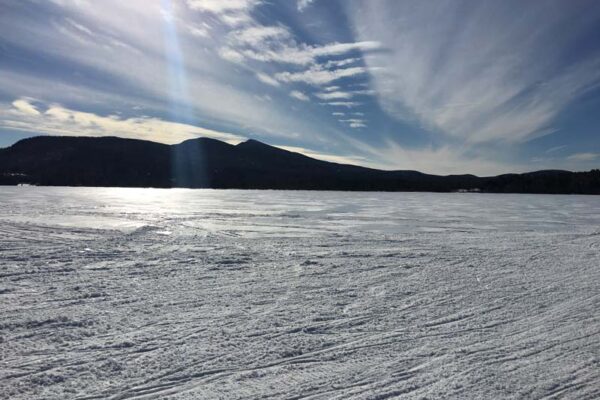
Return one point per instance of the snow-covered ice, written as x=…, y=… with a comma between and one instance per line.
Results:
x=205, y=294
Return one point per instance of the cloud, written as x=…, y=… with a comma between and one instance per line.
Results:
x=23, y=106
x=340, y=63
x=583, y=156
x=275, y=43
x=299, y=95
x=236, y=19
x=229, y=54
x=58, y=120
x=316, y=76
x=258, y=35
x=340, y=159
x=347, y=104
x=264, y=78
x=555, y=149
x=81, y=28
x=334, y=95
x=335, y=49
x=355, y=123
x=202, y=30
x=343, y=95
x=439, y=160
x=222, y=6
x=480, y=75
x=303, y=4
x=363, y=92
x=230, y=12
x=290, y=52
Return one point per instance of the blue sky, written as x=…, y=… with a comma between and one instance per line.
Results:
x=482, y=87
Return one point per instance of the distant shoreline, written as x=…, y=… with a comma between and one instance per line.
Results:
x=296, y=190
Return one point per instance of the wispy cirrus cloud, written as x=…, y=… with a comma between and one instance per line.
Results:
x=303, y=4
x=584, y=156
x=355, y=123
x=334, y=95
x=556, y=149
x=277, y=44
x=299, y=95
x=480, y=75
x=342, y=159
x=230, y=12
x=222, y=6
x=317, y=76
x=343, y=95
x=264, y=78
x=441, y=160
x=347, y=104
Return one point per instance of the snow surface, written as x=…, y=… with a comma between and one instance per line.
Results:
x=193, y=294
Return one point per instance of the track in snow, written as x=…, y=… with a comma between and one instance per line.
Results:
x=187, y=294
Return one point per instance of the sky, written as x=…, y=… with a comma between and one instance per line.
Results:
x=444, y=87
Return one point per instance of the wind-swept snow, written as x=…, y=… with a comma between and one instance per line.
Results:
x=192, y=294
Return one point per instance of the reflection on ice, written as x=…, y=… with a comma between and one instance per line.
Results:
x=270, y=212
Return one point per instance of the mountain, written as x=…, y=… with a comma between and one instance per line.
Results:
x=210, y=163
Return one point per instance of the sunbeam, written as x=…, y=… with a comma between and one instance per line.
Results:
x=187, y=159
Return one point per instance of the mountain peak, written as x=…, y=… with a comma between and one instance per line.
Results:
x=253, y=143
x=201, y=139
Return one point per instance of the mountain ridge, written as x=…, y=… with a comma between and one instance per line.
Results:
x=210, y=163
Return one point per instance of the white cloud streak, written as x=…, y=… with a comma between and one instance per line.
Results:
x=24, y=107
x=275, y=44
x=343, y=95
x=222, y=6
x=299, y=95
x=341, y=63
x=441, y=160
x=264, y=78
x=347, y=104
x=334, y=95
x=316, y=76
x=303, y=4
x=230, y=12
x=355, y=123
x=340, y=159
x=583, y=156
x=58, y=120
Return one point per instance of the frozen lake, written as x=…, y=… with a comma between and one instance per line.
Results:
x=205, y=294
